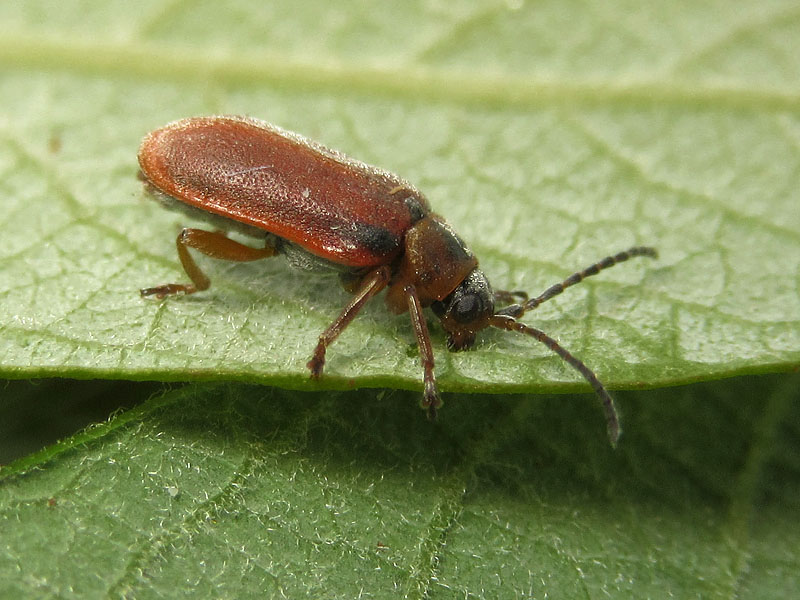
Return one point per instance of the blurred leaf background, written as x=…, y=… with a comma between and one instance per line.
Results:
x=549, y=134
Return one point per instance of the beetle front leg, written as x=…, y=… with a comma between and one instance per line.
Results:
x=210, y=243
x=430, y=399
x=510, y=296
x=373, y=283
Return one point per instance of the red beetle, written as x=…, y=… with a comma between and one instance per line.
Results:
x=323, y=209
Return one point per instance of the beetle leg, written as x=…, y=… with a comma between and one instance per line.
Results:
x=210, y=243
x=430, y=399
x=509, y=296
x=373, y=283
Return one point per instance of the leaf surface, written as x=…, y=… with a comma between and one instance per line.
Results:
x=549, y=157
x=237, y=491
x=549, y=134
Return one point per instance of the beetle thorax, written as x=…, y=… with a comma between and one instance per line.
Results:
x=435, y=262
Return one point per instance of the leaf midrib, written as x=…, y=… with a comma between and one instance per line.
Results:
x=417, y=82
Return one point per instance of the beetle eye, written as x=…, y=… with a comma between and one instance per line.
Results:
x=467, y=309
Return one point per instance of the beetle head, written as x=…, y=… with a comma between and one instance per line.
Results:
x=466, y=310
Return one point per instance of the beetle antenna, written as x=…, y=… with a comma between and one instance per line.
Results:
x=612, y=416
x=518, y=310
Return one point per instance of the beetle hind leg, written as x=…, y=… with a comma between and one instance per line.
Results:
x=210, y=243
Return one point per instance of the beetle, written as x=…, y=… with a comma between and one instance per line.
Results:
x=326, y=211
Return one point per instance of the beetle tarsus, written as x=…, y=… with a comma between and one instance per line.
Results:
x=169, y=289
x=431, y=401
x=317, y=362
x=433, y=412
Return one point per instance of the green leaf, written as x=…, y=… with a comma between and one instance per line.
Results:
x=549, y=134
x=234, y=491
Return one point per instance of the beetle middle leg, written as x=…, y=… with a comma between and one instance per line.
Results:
x=211, y=243
x=372, y=283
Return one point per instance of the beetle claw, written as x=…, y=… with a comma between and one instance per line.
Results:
x=316, y=364
x=432, y=412
x=431, y=401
